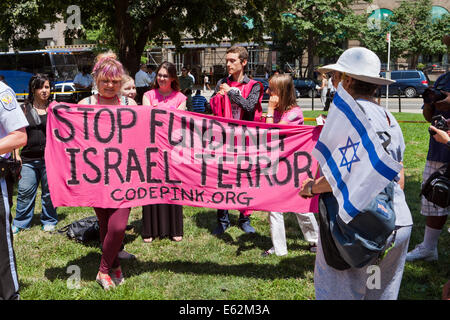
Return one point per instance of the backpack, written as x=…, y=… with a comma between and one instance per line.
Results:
x=84, y=230
x=437, y=188
x=363, y=239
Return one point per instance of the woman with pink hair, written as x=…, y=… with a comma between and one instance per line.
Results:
x=107, y=73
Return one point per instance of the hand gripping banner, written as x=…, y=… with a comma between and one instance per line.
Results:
x=129, y=156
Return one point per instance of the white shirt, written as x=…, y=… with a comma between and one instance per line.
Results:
x=83, y=80
x=12, y=117
x=377, y=117
x=142, y=79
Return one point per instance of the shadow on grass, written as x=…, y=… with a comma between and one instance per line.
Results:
x=207, y=220
x=294, y=267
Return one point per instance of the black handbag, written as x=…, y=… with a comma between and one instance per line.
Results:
x=83, y=230
x=437, y=188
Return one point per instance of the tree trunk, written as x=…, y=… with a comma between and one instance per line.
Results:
x=124, y=32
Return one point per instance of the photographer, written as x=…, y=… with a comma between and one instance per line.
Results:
x=442, y=136
x=436, y=103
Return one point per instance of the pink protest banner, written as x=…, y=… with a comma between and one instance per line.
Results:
x=129, y=156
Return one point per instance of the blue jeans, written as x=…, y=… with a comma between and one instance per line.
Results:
x=33, y=173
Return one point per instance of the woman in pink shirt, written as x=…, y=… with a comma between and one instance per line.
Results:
x=161, y=220
x=166, y=89
x=283, y=109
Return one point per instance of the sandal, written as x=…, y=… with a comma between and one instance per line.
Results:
x=177, y=238
x=268, y=252
x=147, y=240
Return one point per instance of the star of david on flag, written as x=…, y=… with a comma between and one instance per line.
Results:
x=345, y=162
x=352, y=157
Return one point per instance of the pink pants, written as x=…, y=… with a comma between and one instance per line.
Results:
x=112, y=223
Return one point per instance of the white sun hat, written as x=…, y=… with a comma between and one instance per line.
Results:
x=359, y=63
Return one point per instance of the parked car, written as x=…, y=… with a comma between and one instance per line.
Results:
x=306, y=87
x=64, y=92
x=265, y=84
x=410, y=83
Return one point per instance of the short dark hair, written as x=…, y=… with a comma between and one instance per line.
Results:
x=243, y=53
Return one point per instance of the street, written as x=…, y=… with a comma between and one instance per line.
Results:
x=412, y=105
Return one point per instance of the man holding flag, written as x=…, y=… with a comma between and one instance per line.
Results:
x=356, y=166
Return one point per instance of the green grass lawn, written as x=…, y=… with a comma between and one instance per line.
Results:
x=206, y=267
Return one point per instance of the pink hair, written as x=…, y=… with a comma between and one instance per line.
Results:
x=107, y=67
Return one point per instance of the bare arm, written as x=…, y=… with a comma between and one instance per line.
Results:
x=273, y=102
x=311, y=187
x=15, y=140
x=145, y=101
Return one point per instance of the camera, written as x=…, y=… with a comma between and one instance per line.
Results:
x=431, y=95
x=439, y=122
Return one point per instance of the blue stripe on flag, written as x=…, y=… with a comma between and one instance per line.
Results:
x=348, y=206
x=377, y=164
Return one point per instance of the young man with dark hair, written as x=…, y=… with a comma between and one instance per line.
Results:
x=245, y=96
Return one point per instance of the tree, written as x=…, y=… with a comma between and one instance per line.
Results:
x=21, y=21
x=373, y=36
x=127, y=25
x=413, y=33
x=321, y=26
x=414, y=24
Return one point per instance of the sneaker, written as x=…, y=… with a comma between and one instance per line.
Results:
x=105, y=281
x=268, y=252
x=221, y=227
x=117, y=277
x=15, y=230
x=125, y=255
x=420, y=252
x=48, y=227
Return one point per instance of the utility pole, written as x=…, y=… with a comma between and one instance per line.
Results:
x=388, y=73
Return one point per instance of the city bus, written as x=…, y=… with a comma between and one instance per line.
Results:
x=18, y=67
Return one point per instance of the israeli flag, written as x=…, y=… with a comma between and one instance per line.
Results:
x=351, y=156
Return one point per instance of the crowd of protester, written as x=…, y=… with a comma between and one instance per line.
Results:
x=163, y=88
